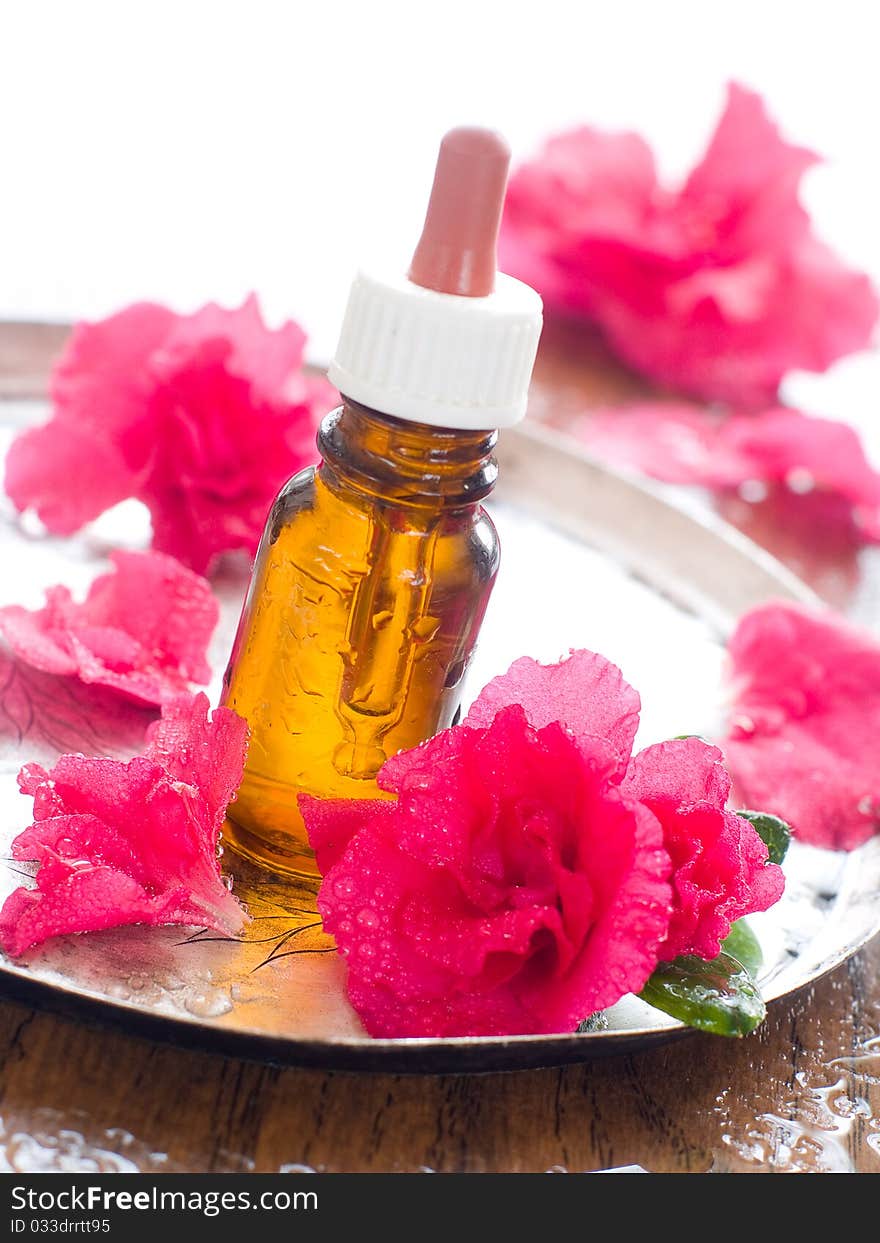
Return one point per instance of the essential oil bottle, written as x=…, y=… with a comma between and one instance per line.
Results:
x=375, y=568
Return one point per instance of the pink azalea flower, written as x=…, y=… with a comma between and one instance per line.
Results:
x=519, y=881
x=142, y=630
x=122, y=843
x=201, y=417
x=717, y=288
x=780, y=447
x=804, y=723
x=510, y=889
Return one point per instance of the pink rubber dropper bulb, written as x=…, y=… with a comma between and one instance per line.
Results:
x=457, y=250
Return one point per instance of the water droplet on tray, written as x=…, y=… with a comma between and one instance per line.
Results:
x=208, y=1004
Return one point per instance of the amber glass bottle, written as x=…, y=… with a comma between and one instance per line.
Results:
x=375, y=568
x=367, y=597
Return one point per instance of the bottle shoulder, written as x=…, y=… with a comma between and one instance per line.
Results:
x=296, y=496
x=299, y=486
x=312, y=510
x=485, y=544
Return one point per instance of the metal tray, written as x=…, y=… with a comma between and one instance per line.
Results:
x=590, y=559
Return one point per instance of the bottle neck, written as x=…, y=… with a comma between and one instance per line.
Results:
x=407, y=463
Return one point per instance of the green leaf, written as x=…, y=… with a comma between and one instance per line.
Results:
x=719, y=996
x=742, y=944
x=774, y=832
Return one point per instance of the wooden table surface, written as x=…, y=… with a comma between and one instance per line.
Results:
x=802, y=1094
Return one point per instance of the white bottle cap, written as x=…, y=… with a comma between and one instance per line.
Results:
x=452, y=343
x=439, y=358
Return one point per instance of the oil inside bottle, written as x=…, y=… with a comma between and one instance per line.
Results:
x=366, y=600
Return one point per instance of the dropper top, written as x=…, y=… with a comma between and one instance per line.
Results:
x=452, y=343
x=456, y=253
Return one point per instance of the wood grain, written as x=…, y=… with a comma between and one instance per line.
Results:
x=802, y=1094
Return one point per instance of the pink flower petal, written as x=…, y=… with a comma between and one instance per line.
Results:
x=586, y=187
x=680, y=773
x=45, y=715
x=333, y=822
x=717, y=289
x=142, y=630
x=807, y=453
x=206, y=752
x=78, y=899
x=720, y=866
x=752, y=176
x=804, y=723
x=98, y=382
x=469, y=787
x=43, y=648
x=221, y=455
x=673, y=442
x=201, y=417
x=779, y=447
x=42, y=464
x=136, y=842
x=585, y=692
x=264, y=357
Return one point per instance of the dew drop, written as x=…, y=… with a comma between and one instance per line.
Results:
x=800, y=481
x=753, y=490
x=208, y=1005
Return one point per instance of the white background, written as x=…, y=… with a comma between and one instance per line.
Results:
x=187, y=151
